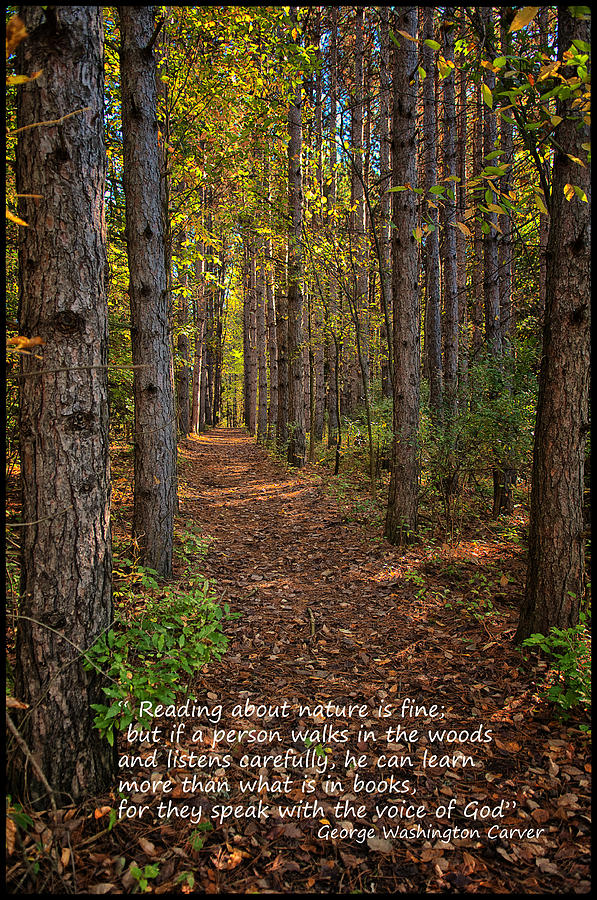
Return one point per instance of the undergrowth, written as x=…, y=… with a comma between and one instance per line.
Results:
x=162, y=634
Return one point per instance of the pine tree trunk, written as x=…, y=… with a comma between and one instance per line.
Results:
x=433, y=335
x=477, y=275
x=505, y=244
x=261, y=352
x=296, y=373
x=183, y=347
x=272, y=343
x=199, y=326
x=491, y=281
x=401, y=518
x=66, y=563
x=555, y=576
x=463, y=337
x=449, y=243
x=155, y=445
x=358, y=265
x=385, y=174
x=332, y=312
x=282, y=341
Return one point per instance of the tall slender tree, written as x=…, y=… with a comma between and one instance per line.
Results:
x=66, y=565
x=155, y=444
x=556, y=569
x=385, y=176
x=296, y=372
x=449, y=242
x=433, y=334
x=401, y=517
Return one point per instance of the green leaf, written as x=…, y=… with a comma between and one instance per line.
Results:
x=487, y=95
x=433, y=44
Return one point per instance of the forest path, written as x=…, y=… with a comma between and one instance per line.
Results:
x=280, y=549
x=332, y=612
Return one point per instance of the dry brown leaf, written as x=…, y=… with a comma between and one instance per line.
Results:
x=15, y=32
x=13, y=703
x=24, y=343
x=470, y=863
x=507, y=746
x=11, y=833
x=146, y=846
x=101, y=811
x=16, y=219
x=381, y=845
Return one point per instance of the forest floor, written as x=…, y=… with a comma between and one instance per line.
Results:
x=330, y=612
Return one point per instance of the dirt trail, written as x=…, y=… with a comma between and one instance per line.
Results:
x=331, y=612
x=297, y=572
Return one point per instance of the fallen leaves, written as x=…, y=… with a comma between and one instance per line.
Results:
x=375, y=650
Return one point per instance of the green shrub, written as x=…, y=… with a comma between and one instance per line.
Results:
x=153, y=654
x=568, y=682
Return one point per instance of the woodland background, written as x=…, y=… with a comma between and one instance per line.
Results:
x=360, y=233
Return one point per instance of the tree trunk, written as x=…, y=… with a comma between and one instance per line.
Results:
x=261, y=351
x=493, y=329
x=554, y=586
x=463, y=337
x=505, y=244
x=296, y=374
x=199, y=326
x=385, y=174
x=282, y=340
x=450, y=282
x=359, y=254
x=184, y=351
x=272, y=343
x=155, y=445
x=433, y=334
x=401, y=518
x=332, y=311
x=66, y=563
x=477, y=274
x=543, y=24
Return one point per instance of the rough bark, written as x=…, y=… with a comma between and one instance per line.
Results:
x=199, y=324
x=359, y=245
x=183, y=375
x=296, y=373
x=66, y=564
x=449, y=243
x=505, y=257
x=433, y=335
x=477, y=274
x=463, y=336
x=261, y=351
x=385, y=174
x=272, y=343
x=543, y=24
x=555, y=574
x=332, y=310
x=401, y=517
x=491, y=281
x=155, y=445
x=282, y=341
